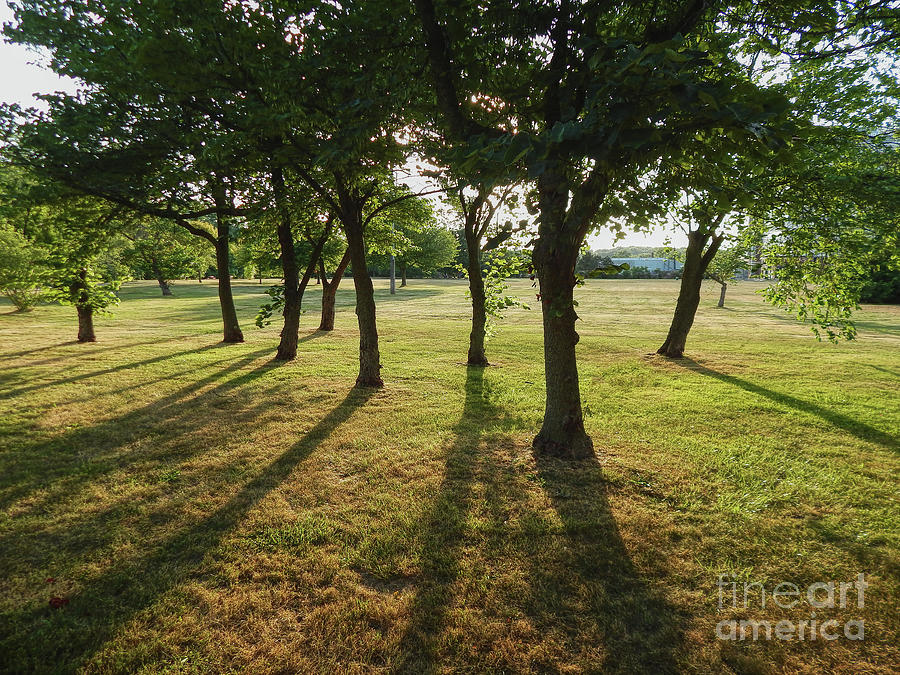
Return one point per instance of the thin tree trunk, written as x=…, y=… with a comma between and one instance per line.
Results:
x=476, y=355
x=231, y=329
x=722, y=295
x=329, y=291
x=287, y=347
x=369, y=357
x=402, y=276
x=562, y=433
x=695, y=263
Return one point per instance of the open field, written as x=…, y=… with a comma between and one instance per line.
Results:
x=204, y=509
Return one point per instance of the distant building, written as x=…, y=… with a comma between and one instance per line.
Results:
x=652, y=264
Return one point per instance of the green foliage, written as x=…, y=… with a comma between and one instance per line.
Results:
x=22, y=272
x=162, y=251
x=499, y=266
x=270, y=307
x=727, y=262
x=883, y=285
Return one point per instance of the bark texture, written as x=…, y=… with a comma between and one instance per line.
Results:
x=476, y=356
x=231, y=329
x=329, y=291
x=86, y=323
x=556, y=250
x=287, y=346
x=696, y=260
x=369, y=356
x=722, y=295
x=79, y=293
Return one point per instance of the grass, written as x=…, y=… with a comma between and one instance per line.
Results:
x=199, y=508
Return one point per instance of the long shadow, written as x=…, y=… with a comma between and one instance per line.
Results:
x=38, y=464
x=110, y=599
x=859, y=429
x=84, y=348
x=42, y=542
x=444, y=529
x=26, y=352
x=893, y=373
x=638, y=630
x=590, y=590
x=108, y=371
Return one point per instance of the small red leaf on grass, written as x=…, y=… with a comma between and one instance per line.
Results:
x=56, y=603
x=49, y=580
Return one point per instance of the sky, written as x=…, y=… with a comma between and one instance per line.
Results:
x=21, y=77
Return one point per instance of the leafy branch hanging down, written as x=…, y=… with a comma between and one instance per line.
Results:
x=499, y=266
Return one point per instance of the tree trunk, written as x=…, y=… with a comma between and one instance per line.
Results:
x=329, y=291
x=86, y=323
x=695, y=264
x=287, y=347
x=476, y=356
x=402, y=276
x=78, y=292
x=231, y=329
x=722, y=295
x=199, y=277
x=556, y=250
x=369, y=357
x=562, y=433
x=160, y=279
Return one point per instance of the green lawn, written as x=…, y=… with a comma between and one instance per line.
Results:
x=204, y=509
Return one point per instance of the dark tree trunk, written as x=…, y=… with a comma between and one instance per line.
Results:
x=160, y=279
x=86, y=323
x=476, y=355
x=369, y=357
x=231, y=328
x=722, y=295
x=287, y=347
x=329, y=291
x=199, y=278
x=556, y=250
x=695, y=263
x=402, y=276
x=79, y=293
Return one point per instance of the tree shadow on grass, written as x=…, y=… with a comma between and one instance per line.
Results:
x=84, y=349
x=52, y=462
x=586, y=587
x=109, y=371
x=444, y=532
x=109, y=599
x=859, y=429
x=893, y=373
x=490, y=556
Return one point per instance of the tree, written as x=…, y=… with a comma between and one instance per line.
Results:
x=725, y=265
x=585, y=98
x=22, y=273
x=161, y=251
x=839, y=218
x=481, y=234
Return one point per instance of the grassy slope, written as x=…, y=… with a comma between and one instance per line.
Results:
x=205, y=510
